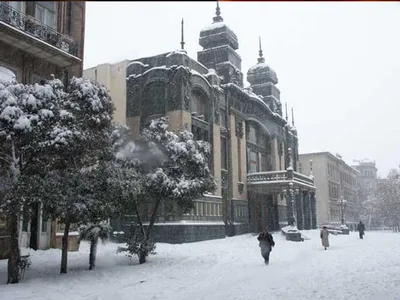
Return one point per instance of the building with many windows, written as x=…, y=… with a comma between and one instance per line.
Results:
x=254, y=148
x=38, y=39
x=337, y=187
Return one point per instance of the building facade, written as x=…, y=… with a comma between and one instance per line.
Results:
x=367, y=178
x=39, y=39
x=337, y=187
x=254, y=148
x=113, y=77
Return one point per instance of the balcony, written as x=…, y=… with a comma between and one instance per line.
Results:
x=277, y=181
x=30, y=35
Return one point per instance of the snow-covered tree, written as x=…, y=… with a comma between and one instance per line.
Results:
x=92, y=233
x=27, y=114
x=164, y=166
x=385, y=200
x=80, y=145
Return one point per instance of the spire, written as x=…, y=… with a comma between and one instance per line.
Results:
x=218, y=17
x=287, y=119
x=182, y=37
x=261, y=59
x=292, y=117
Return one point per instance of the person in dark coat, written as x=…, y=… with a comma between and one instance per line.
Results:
x=266, y=244
x=361, y=229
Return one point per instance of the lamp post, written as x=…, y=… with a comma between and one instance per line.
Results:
x=342, y=203
x=291, y=191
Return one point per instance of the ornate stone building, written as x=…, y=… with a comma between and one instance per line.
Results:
x=255, y=150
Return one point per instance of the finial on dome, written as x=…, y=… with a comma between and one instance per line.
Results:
x=287, y=119
x=261, y=59
x=218, y=17
x=292, y=117
x=182, y=37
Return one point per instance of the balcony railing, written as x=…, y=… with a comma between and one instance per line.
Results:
x=279, y=176
x=31, y=26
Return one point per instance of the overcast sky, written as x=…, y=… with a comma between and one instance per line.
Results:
x=338, y=64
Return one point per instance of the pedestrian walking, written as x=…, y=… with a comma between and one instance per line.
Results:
x=324, y=237
x=361, y=229
x=266, y=244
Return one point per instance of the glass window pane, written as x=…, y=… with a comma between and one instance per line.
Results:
x=50, y=20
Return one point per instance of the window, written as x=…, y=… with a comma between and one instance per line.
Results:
x=7, y=74
x=223, y=118
x=44, y=225
x=252, y=136
x=25, y=222
x=254, y=162
x=239, y=152
x=198, y=105
x=224, y=156
x=18, y=5
x=46, y=12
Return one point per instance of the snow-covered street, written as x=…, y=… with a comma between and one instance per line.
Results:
x=230, y=268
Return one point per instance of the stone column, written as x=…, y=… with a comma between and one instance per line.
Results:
x=313, y=210
x=289, y=208
x=299, y=208
x=307, y=210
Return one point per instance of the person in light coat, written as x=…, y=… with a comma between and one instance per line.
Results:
x=266, y=244
x=325, y=237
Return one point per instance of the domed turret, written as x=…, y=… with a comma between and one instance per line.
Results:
x=261, y=72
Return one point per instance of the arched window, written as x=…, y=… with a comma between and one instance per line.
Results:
x=199, y=105
x=153, y=100
x=7, y=74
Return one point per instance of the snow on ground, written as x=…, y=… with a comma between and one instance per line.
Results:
x=230, y=268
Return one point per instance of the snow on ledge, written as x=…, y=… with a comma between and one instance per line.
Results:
x=190, y=223
x=72, y=233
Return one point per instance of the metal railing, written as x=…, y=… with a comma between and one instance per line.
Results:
x=31, y=26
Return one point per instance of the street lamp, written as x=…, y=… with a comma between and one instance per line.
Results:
x=342, y=202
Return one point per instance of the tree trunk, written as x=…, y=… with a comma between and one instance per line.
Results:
x=64, y=249
x=15, y=255
x=142, y=256
x=143, y=252
x=153, y=218
x=92, y=255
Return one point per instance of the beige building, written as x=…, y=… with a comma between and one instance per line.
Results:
x=113, y=77
x=335, y=181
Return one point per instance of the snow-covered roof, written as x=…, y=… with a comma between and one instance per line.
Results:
x=260, y=68
x=179, y=51
x=213, y=26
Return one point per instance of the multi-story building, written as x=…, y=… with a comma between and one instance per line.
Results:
x=254, y=149
x=39, y=39
x=367, y=178
x=336, y=183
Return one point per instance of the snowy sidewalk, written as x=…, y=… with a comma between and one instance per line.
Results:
x=230, y=268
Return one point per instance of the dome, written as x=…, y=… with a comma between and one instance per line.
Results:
x=261, y=72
